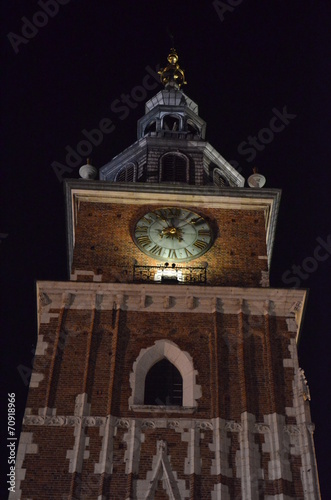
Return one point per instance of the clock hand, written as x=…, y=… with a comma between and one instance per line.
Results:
x=171, y=232
x=162, y=218
x=192, y=221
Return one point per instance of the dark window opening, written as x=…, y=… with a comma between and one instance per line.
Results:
x=171, y=123
x=163, y=385
x=174, y=168
x=128, y=174
x=219, y=179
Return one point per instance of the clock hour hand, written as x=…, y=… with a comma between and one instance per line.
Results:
x=162, y=218
x=171, y=232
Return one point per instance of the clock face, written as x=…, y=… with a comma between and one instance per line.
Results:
x=173, y=234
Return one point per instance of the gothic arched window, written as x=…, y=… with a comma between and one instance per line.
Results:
x=174, y=168
x=127, y=174
x=150, y=357
x=163, y=385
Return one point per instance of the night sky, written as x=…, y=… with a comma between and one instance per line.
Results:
x=245, y=63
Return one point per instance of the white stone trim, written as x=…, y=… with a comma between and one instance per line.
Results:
x=162, y=470
x=264, y=281
x=281, y=496
x=151, y=298
x=277, y=444
x=280, y=442
x=193, y=459
x=41, y=346
x=220, y=492
x=35, y=380
x=107, y=431
x=248, y=458
x=302, y=442
x=162, y=408
x=79, y=453
x=180, y=359
x=221, y=447
x=25, y=446
x=133, y=438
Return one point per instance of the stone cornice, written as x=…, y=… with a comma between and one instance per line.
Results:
x=53, y=295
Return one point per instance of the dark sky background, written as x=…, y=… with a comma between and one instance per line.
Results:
x=240, y=67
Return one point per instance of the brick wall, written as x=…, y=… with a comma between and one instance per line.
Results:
x=235, y=357
x=239, y=361
x=105, y=245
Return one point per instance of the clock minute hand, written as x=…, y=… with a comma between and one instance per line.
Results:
x=192, y=221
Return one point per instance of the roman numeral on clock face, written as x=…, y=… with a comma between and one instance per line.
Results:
x=169, y=212
x=172, y=254
x=197, y=220
x=147, y=219
x=144, y=241
x=204, y=232
x=141, y=229
x=200, y=244
x=156, y=250
x=187, y=252
x=173, y=233
x=174, y=212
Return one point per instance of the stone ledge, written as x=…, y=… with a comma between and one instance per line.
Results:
x=163, y=409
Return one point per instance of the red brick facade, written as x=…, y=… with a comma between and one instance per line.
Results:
x=245, y=366
x=104, y=236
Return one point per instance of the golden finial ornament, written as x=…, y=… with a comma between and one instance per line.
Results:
x=172, y=75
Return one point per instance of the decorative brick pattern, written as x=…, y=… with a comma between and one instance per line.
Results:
x=225, y=342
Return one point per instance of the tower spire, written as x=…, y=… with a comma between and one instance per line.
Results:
x=172, y=75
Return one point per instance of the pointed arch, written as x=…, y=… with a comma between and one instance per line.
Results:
x=180, y=359
x=162, y=470
x=163, y=385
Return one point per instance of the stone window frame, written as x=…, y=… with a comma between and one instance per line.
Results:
x=180, y=359
x=172, y=115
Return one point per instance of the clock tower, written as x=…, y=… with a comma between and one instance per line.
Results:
x=166, y=367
